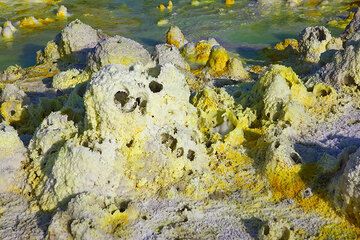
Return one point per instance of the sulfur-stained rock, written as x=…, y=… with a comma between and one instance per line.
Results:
x=9, y=25
x=275, y=229
x=77, y=39
x=62, y=12
x=118, y=50
x=351, y=33
x=236, y=70
x=30, y=22
x=12, y=103
x=199, y=53
x=12, y=155
x=147, y=114
x=69, y=79
x=129, y=151
x=13, y=111
x=46, y=142
x=346, y=188
x=7, y=33
x=281, y=152
x=88, y=216
x=281, y=96
x=8, y=30
x=175, y=37
x=76, y=169
x=49, y=54
x=123, y=120
x=218, y=60
x=11, y=92
x=313, y=42
x=343, y=70
x=165, y=53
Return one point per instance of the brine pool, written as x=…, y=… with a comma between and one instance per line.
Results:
x=243, y=28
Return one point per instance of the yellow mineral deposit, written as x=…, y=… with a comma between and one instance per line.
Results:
x=104, y=138
x=229, y=2
x=62, y=12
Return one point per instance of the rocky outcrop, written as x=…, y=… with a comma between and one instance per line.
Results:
x=118, y=50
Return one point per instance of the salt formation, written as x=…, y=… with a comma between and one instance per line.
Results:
x=165, y=53
x=175, y=37
x=346, y=187
x=17, y=221
x=128, y=148
x=343, y=70
x=207, y=57
x=62, y=12
x=124, y=120
x=8, y=30
x=74, y=43
x=69, y=79
x=118, y=50
x=281, y=96
x=314, y=41
x=12, y=154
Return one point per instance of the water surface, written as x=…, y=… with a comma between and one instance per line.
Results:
x=243, y=28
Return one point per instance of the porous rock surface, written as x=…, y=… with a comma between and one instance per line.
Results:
x=134, y=147
x=118, y=50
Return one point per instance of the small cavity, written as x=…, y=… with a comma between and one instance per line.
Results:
x=121, y=97
x=156, y=87
x=266, y=230
x=349, y=81
x=179, y=152
x=169, y=141
x=191, y=155
x=124, y=205
x=154, y=72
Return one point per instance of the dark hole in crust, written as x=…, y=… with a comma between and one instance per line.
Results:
x=321, y=35
x=266, y=230
x=349, y=81
x=324, y=93
x=191, y=155
x=179, y=152
x=129, y=144
x=12, y=112
x=121, y=97
x=124, y=205
x=169, y=141
x=156, y=87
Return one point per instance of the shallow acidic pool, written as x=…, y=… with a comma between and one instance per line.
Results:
x=243, y=28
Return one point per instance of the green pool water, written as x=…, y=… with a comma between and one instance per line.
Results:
x=243, y=28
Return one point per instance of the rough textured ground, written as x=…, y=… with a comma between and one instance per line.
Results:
x=102, y=139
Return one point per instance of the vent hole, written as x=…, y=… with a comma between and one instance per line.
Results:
x=191, y=155
x=121, y=97
x=156, y=87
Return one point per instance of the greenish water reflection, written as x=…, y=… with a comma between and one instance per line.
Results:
x=243, y=28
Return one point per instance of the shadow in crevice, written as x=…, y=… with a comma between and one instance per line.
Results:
x=312, y=172
x=312, y=152
x=253, y=226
